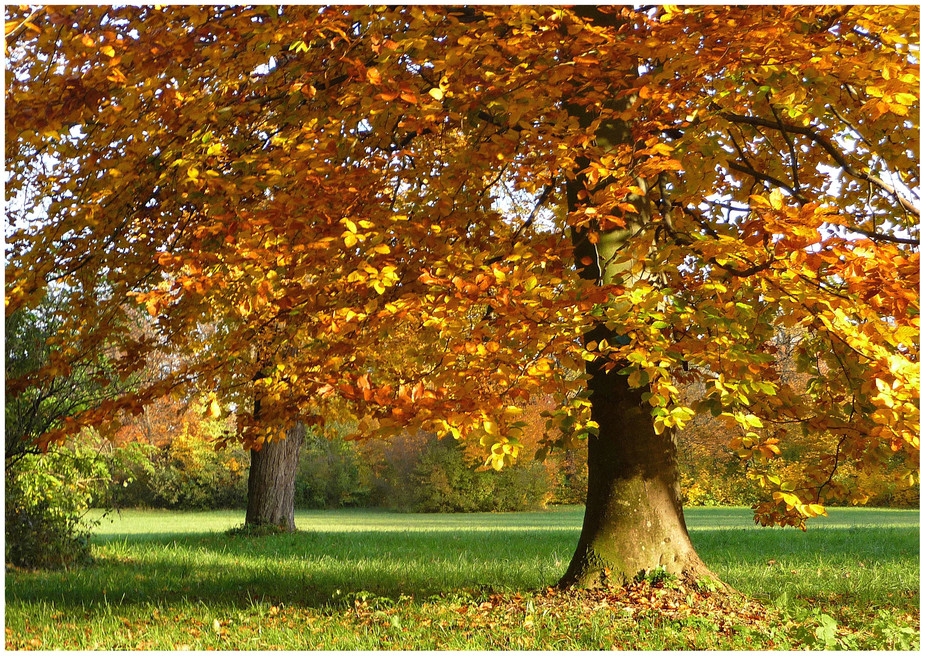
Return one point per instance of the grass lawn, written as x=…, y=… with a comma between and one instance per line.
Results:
x=371, y=579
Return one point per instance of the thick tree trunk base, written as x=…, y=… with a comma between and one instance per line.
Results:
x=271, y=482
x=633, y=520
x=636, y=542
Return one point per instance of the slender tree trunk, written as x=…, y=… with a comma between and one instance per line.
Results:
x=271, y=481
x=633, y=518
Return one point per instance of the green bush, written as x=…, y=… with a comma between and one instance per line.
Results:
x=442, y=479
x=444, y=482
x=47, y=497
x=331, y=475
x=526, y=485
x=189, y=474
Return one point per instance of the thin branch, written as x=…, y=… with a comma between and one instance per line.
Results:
x=700, y=221
x=841, y=118
x=19, y=29
x=794, y=165
x=764, y=177
x=536, y=208
x=743, y=273
x=878, y=236
x=826, y=145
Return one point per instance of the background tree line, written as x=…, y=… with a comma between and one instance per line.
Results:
x=167, y=457
x=415, y=473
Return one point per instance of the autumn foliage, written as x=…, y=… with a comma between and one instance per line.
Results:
x=328, y=207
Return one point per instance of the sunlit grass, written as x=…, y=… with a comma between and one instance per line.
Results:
x=158, y=571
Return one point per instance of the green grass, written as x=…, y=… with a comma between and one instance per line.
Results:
x=379, y=580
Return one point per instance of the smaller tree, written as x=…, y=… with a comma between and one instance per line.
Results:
x=47, y=495
x=46, y=381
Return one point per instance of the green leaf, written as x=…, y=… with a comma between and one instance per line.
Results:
x=638, y=378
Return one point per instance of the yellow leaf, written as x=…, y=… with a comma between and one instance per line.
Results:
x=108, y=51
x=905, y=98
x=436, y=93
x=349, y=239
x=638, y=378
x=776, y=199
x=662, y=149
x=214, y=409
x=759, y=200
x=381, y=248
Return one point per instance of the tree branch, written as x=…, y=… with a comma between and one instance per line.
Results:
x=794, y=165
x=828, y=147
x=879, y=236
x=764, y=177
x=10, y=38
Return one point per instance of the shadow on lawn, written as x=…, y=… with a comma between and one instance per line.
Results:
x=321, y=569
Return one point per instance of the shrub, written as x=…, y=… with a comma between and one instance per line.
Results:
x=444, y=482
x=716, y=483
x=47, y=497
x=186, y=474
x=435, y=475
x=331, y=474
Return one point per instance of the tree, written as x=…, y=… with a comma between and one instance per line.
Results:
x=432, y=215
x=271, y=481
x=35, y=405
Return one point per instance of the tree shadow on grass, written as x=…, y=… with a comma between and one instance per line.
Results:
x=304, y=568
x=322, y=569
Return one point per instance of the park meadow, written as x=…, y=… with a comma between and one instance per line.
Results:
x=379, y=580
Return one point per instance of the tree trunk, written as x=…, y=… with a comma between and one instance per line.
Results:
x=633, y=518
x=271, y=481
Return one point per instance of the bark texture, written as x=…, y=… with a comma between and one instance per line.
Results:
x=633, y=519
x=271, y=481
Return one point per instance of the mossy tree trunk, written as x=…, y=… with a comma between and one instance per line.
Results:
x=633, y=519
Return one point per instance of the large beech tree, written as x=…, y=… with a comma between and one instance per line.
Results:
x=429, y=215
